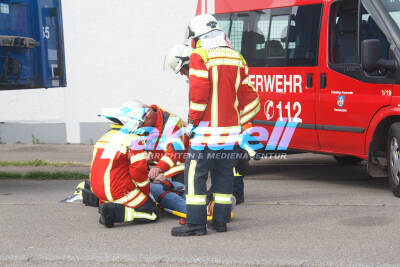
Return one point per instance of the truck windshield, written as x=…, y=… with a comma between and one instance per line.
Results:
x=393, y=8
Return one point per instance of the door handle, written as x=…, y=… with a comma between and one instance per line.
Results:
x=323, y=81
x=309, y=80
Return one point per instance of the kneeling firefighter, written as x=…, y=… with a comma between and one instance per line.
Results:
x=119, y=173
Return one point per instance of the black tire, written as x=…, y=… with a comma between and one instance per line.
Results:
x=347, y=160
x=393, y=158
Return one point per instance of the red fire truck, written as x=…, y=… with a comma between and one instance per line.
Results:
x=331, y=66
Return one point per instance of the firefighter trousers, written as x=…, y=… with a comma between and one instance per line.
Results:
x=220, y=164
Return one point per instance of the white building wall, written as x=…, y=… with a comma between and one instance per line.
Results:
x=115, y=52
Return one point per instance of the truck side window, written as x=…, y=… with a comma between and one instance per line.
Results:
x=370, y=30
x=233, y=27
x=275, y=37
x=348, y=29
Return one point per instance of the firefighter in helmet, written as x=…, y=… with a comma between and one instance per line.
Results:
x=119, y=175
x=221, y=100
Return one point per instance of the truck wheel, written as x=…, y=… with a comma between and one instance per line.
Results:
x=347, y=160
x=393, y=158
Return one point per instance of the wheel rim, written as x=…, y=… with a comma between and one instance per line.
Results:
x=395, y=160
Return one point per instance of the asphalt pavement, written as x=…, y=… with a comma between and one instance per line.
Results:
x=302, y=210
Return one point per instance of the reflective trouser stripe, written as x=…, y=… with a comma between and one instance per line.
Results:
x=191, y=198
x=235, y=172
x=192, y=172
x=145, y=215
x=223, y=198
x=131, y=215
x=196, y=200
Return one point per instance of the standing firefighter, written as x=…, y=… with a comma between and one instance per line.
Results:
x=178, y=61
x=119, y=175
x=221, y=101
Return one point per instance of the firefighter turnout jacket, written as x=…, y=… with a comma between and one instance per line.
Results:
x=164, y=147
x=123, y=177
x=221, y=95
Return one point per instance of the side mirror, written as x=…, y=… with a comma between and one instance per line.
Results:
x=371, y=57
x=370, y=54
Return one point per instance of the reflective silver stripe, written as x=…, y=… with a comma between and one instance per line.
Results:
x=168, y=161
x=131, y=195
x=246, y=70
x=197, y=107
x=175, y=169
x=224, y=61
x=196, y=200
x=250, y=106
x=198, y=73
x=250, y=115
x=214, y=101
x=223, y=198
x=107, y=182
x=246, y=81
x=138, y=157
x=129, y=214
x=136, y=201
x=142, y=184
x=144, y=215
x=237, y=80
x=236, y=104
x=192, y=171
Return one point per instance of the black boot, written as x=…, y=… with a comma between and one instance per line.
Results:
x=219, y=227
x=111, y=213
x=189, y=229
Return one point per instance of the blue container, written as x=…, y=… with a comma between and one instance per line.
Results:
x=31, y=44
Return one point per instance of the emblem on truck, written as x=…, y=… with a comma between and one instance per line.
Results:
x=340, y=101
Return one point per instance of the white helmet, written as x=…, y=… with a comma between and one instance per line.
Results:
x=202, y=24
x=133, y=110
x=178, y=56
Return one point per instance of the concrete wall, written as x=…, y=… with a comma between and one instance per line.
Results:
x=115, y=52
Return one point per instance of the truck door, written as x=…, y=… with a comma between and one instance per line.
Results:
x=52, y=64
x=280, y=46
x=31, y=44
x=349, y=97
